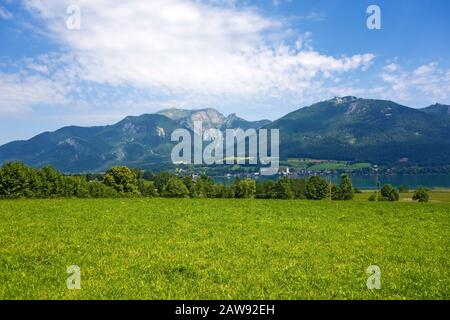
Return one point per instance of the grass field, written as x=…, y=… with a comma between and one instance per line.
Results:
x=436, y=196
x=223, y=249
x=320, y=165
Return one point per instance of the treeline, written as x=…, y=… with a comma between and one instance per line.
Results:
x=20, y=181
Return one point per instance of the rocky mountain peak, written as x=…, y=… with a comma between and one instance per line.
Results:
x=343, y=100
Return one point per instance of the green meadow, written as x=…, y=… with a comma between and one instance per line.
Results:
x=224, y=248
x=436, y=196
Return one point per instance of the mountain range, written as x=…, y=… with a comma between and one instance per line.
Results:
x=376, y=131
x=438, y=109
x=211, y=118
x=347, y=128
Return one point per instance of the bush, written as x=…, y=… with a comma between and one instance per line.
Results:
x=357, y=190
x=175, y=188
x=421, y=195
x=389, y=193
x=220, y=191
x=147, y=188
x=99, y=190
x=244, y=188
x=298, y=187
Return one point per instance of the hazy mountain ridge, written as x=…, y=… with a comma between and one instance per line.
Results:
x=347, y=128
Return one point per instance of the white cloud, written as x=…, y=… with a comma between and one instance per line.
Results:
x=194, y=49
x=19, y=92
x=41, y=68
x=426, y=82
x=5, y=14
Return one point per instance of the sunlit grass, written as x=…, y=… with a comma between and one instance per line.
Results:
x=223, y=249
x=436, y=196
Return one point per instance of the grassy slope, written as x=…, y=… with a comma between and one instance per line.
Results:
x=220, y=249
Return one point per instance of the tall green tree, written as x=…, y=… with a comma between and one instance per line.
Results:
x=234, y=189
x=346, y=188
x=51, y=182
x=147, y=188
x=74, y=187
x=245, y=188
x=336, y=192
x=284, y=190
x=298, y=187
x=317, y=188
x=14, y=181
x=204, y=187
x=175, y=188
x=190, y=185
x=147, y=175
x=259, y=193
x=270, y=189
x=161, y=179
x=123, y=180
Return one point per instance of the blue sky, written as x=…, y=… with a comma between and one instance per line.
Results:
x=259, y=59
